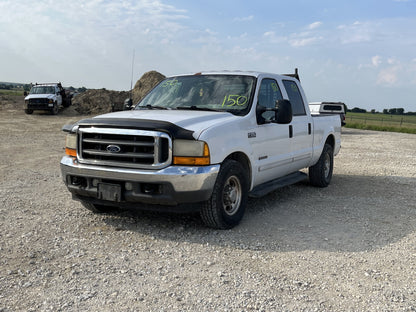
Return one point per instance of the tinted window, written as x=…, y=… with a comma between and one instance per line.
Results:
x=333, y=107
x=295, y=97
x=269, y=93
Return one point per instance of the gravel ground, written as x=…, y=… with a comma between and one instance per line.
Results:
x=348, y=247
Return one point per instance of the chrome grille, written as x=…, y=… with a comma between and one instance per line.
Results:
x=39, y=101
x=124, y=148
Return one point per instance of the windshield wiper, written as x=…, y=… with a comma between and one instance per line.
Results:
x=148, y=106
x=193, y=107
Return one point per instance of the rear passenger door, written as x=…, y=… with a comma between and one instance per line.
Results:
x=300, y=127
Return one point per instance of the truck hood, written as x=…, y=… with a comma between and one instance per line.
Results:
x=195, y=121
x=39, y=96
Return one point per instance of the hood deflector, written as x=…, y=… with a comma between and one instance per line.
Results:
x=142, y=124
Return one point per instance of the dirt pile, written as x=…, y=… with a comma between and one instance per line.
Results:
x=145, y=84
x=99, y=101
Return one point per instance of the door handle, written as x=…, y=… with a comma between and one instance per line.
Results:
x=290, y=131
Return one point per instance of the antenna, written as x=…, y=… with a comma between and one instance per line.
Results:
x=131, y=81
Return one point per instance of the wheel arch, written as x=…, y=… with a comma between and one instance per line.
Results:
x=330, y=140
x=243, y=159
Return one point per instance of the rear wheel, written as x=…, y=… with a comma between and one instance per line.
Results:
x=29, y=111
x=225, y=208
x=320, y=174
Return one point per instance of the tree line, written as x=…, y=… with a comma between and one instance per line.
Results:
x=386, y=111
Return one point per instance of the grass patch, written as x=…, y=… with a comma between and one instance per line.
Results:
x=380, y=128
x=11, y=92
x=382, y=122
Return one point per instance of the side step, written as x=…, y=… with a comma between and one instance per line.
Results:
x=266, y=188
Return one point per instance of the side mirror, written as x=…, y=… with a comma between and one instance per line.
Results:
x=128, y=104
x=283, y=112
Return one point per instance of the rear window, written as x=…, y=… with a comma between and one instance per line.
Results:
x=298, y=107
x=333, y=107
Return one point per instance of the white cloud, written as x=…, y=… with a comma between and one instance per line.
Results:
x=83, y=43
x=392, y=61
x=301, y=42
x=315, y=25
x=376, y=60
x=273, y=38
x=357, y=32
x=244, y=18
x=388, y=76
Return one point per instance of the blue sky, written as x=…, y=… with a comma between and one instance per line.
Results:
x=359, y=52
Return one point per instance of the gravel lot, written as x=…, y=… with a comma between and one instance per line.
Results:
x=348, y=247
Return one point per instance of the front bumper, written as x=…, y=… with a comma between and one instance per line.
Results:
x=39, y=106
x=172, y=185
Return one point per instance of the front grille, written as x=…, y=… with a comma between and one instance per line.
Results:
x=38, y=101
x=124, y=148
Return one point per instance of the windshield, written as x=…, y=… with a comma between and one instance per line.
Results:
x=42, y=90
x=231, y=93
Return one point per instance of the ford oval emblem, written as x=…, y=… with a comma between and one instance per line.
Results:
x=113, y=148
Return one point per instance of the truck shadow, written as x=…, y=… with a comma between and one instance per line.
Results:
x=355, y=213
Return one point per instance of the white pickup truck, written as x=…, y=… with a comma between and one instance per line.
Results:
x=46, y=97
x=204, y=141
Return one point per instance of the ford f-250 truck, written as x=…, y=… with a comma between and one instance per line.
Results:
x=205, y=141
x=47, y=97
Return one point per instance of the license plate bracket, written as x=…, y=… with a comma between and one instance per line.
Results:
x=111, y=192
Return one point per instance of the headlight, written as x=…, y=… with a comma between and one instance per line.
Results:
x=50, y=100
x=71, y=144
x=187, y=152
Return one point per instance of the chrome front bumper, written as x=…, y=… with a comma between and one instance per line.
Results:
x=169, y=186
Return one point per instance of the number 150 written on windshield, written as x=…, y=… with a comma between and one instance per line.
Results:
x=233, y=100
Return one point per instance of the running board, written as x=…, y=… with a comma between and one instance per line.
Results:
x=266, y=188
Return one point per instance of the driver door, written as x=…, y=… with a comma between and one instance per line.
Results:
x=272, y=145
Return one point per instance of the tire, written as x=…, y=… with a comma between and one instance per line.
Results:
x=228, y=201
x=320, y=174
x=29, y=111
x=97, y=208
x=55, y=109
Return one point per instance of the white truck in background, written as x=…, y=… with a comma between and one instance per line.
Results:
x=203, y=141
x=329, y=108
x=47, y=97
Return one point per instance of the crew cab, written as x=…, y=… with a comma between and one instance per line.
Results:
x=47, y=97
x=202, y=141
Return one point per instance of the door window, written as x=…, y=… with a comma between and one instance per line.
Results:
x=295, y=98
x=269, y=93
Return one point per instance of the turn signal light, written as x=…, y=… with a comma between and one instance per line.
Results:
x=71, y=152
x=191, y=161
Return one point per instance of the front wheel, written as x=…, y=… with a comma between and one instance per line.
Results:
x=28, y=111
x=320, y=174
x=225, y=208
x=55, y=109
